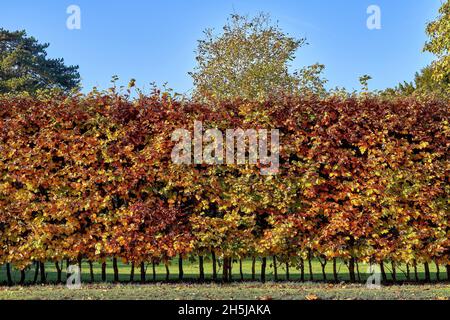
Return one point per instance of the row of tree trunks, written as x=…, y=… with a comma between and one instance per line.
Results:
x=227, y=270
x=154, y=263
x=143, y=271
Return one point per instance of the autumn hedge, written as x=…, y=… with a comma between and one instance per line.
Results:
x=90, y=177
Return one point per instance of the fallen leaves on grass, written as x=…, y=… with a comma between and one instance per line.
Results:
x=312, y=297
x=442, y=298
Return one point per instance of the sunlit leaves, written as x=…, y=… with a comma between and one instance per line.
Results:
x=91, y=177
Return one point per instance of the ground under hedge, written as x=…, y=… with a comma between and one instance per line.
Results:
x=235, y=291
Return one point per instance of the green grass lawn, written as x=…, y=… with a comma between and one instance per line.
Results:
x=191, y=271
x=235, y=291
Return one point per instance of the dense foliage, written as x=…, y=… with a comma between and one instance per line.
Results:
x=25, y=67
x=425, y=84
x=439, y=44
x=91, y=177
x=251, y=59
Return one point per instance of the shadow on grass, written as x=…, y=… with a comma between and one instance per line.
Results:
x=124, y=278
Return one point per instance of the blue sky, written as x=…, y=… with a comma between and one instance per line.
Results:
x=155, y=40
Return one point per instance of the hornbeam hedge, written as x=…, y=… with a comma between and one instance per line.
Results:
x=90, y=177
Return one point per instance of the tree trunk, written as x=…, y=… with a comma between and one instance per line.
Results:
x=22, y=277
x=214, y=265
x=79, y=260
x=394, y=271
x=275, y=269
x=180, y=268
x=438, y=272
x=142, y=265
x=43, y=275
x=263, y=269
x=8, y=274
x=253, y=268
x=91, y=271
x=335, y=274
x=167, y=272
x=287, y=271
x=104, y=271
x=311, y=276
x=241, y=272
x=132, y=272
x=416, y=274
x=116, y=270
x=427, y=272
x=383, y=272
x=201, y=269
x=448, y=272
x=302, y=270
x=154, y=270
x=36, y=272
x=408, y=273
x=351, y=269
x=58, y=273
x=323, y=265
x=230, y=269
x=225, y=270
x=357, y=270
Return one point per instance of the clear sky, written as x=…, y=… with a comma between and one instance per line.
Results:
x=155, y=40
